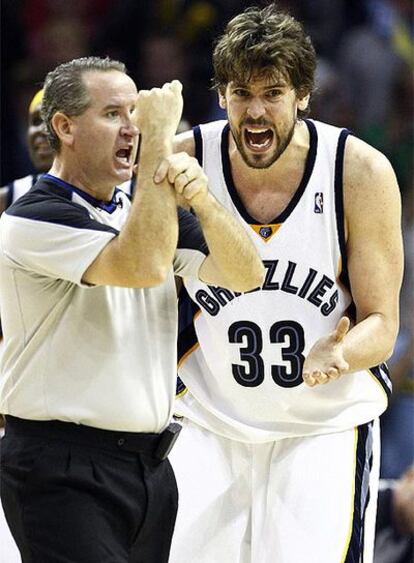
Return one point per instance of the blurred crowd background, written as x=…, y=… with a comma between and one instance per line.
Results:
x=364, y=82
x=364, y=79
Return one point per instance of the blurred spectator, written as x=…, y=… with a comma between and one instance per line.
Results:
x=328, y=102
x=193, y=23
x=394, y=541
x=162, y=59
x=40, y=152
x=397, y=423
x=36, y=35
x=370, y=65
x=13, y=50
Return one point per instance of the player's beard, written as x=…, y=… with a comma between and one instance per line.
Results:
x=263, y=160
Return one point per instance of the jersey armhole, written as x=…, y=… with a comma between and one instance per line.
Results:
x=339, y=205
x=198, y=140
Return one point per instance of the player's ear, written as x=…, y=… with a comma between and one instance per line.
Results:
x=303, y=102
x=63, y=127
x=222, y=99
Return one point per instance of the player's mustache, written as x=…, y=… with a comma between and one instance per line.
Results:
x=257, y=122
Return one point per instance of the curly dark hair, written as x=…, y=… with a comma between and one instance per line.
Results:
x=264, y=42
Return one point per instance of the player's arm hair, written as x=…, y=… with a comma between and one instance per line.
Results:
x=233, y=261
x=374, y=249
x=184, y=142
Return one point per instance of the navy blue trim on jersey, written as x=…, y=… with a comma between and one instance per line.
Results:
x=180, y=386
x=382, y=373
x=362, y=492
x=190, y=234
x=10, y=192
x=198, y=141
x=35, y=178
x=339, y=205
x=108, y=206
x=310, y=162
x=187, y=336
x=51, y=202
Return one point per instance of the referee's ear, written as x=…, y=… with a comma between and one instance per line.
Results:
x=64, y=128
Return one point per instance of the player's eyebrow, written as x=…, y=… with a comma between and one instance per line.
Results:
x=112, y=106
x=278, y=84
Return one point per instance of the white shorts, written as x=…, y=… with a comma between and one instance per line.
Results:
x=300, y=500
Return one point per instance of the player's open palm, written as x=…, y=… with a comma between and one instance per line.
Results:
x=325, y=360
x=159, y=110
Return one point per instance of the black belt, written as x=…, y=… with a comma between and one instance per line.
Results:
x=157, y=446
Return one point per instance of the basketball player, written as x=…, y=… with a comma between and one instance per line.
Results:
x=89, y=314
x=282, y=386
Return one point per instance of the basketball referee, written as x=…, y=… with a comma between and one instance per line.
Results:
x=88, y=306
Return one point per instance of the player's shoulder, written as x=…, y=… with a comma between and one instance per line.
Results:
x=15, y=189
x=19, y=185
x=187, y=141
x=46, y=201
x=25, y=182
x=363, y=160
x=369, y=180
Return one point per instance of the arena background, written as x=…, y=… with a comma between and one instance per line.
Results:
x=364, y=82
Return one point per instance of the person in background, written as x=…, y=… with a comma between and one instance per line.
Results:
x=281, y=388
x=40, y=152
x=394, y=542
x=88, y=301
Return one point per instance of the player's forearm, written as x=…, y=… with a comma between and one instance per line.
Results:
x=231, y=249
x=370, y=342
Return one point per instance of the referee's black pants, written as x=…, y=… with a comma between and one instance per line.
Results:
x=74, y=494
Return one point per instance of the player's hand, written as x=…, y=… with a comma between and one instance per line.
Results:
x=186, y=176
x=325, y=360
x=158, y=111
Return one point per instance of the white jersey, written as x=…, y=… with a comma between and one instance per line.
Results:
x=15, y=189
x=241, y=355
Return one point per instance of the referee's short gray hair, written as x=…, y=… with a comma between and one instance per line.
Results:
x=65, y=91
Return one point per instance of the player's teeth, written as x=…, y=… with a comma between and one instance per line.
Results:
x=257, y=130
x=259, y=145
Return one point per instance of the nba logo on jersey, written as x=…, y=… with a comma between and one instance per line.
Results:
x=318, y=207
x=265, y=232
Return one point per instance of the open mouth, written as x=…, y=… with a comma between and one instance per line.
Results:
x=123, y=155
x=258, y=139
x=43, y=148
x=40, y=144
